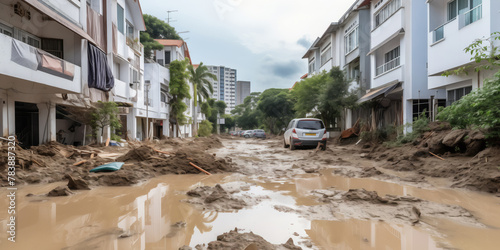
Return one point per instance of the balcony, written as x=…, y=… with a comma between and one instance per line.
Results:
x=388, y=28
x=470, y=16
x=395, y=74
x=448, y=41
x=22, y=65
x=388, y=66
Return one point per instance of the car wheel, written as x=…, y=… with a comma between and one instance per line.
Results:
x=284, y=144
x=292, y=147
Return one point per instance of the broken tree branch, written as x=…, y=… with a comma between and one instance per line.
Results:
x=201, y=169
x=436, y=155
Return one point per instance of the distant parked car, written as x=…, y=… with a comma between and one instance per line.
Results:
x=241, y=133
x=233, y=133
x=248, y=134
x=259, y=133
x=305, y=132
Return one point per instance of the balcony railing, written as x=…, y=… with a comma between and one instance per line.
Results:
x=438, y=33
x=471, y=16
x=388, y=66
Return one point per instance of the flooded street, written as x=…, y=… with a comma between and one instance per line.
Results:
x=289, y=200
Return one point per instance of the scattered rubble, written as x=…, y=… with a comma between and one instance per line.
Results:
x=60, y=191
x=234, y=240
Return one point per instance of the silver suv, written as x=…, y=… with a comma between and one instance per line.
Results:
x=305, y=132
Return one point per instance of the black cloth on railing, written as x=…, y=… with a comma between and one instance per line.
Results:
x=100, y=75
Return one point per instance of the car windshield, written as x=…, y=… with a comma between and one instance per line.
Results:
x=310, y=124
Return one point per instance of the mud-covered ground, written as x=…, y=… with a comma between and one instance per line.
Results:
x=364, y=182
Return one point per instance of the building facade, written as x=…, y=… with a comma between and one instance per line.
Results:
x=452, y=26
x=243, y=89
x=225, y=86
x=56, y=58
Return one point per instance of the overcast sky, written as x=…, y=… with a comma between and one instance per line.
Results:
x=264, y=40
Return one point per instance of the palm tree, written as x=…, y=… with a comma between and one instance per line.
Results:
x=202, y=87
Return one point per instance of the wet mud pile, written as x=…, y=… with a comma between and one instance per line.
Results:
x=52, y=161
x=460, y=155
x=225, y=197
x=234, y=240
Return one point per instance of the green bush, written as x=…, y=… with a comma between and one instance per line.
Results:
x=419, y=126
x=205, y=128
x=479, y=109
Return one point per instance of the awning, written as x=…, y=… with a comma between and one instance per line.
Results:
x=376, y=93
x=58, y=18
x=397, y=33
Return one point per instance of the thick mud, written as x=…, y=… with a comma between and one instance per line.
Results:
x=333, y=199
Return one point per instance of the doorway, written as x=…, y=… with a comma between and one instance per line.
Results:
x=27, y=131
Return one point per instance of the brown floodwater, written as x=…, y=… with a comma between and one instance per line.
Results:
x=147, y=215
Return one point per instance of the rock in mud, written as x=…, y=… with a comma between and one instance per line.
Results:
x=364, y=195
x=118, y=179
x=233, y=240
x=76, y=184
x=215, y=198
x=455, y=137
x=289, y=245
x=185, y=248
x=369, y=172
x=60, y=191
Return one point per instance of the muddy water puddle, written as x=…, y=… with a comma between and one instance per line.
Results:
x=152, y=216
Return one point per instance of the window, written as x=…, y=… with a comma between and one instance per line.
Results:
x=312, y=65
x=6, y=30
x=130, y=31
x=167, y=57
x=30, y=39
x=386, y=12
x=391, y=55
x=53, y=46
x=310, y=124
x=351, y=41
x=457, y=7
x=326, y=54
x=119, y=17
x=391, y=61
x=455, y=94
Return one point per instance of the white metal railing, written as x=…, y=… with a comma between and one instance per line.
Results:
x=388, y=66
x=471, y=16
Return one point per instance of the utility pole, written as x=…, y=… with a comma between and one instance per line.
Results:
x=168, y=15
x=147, y=86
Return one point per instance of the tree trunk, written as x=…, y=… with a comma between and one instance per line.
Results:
x=195, y=112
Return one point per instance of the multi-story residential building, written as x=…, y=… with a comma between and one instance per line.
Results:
x=242, y=91
x=56, y=58
x=345, y=44
x=127, y=57
x=399, y=62
x=225, y=86
x=173, y=50
x=452, y=26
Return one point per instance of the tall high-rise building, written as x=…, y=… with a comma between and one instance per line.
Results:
x=242, y=91
x=225, y=86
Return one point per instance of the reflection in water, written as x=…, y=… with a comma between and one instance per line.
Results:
x=147, y=216
x=357, y=234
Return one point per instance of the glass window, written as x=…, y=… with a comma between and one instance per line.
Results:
x=351, y=41
x=310, y=124
x=391, y=55
x=386, y=11
x=4, y=29
x=452, y=10
x=120, y=17
x=130, y=31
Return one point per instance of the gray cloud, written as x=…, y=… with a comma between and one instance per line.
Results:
x=304, y=42
x=285, y=69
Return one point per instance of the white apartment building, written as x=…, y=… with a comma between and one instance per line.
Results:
x=399, y=61
x=345, y=44
x=242, y=91
x=172, y=50
x=452, y=26
x=225, y=86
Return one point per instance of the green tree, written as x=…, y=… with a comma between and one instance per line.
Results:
x=202, y=88
x=306, y=94
x=179, y=89
x=156, y=29
x=105, y=114
x=246, y=115
x=276, y=109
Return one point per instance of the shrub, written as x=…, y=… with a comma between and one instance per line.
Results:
x=419, y=126
x=479, y=109
x=205, y=128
